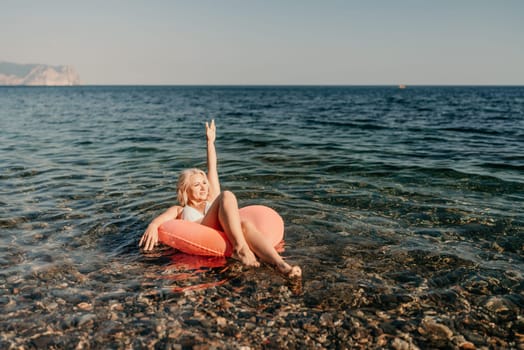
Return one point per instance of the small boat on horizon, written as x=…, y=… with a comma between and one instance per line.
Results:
x=402, y=86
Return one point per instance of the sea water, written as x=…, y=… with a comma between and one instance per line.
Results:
x=391, y=197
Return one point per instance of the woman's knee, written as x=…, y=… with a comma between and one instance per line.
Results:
x=228, y=197
x=246, y=225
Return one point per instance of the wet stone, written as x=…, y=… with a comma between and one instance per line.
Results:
x=326, y=320
x=502, y=308
x=85, y=319
x=45, y=341
x=85, y=306
x=437, y=333
x=466, y=345
x=401, y=344
x=392, y=327
x=71, y=296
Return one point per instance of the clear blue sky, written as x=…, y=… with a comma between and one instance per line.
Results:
x=270, y=42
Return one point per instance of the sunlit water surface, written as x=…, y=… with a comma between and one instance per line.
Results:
x=390, y=197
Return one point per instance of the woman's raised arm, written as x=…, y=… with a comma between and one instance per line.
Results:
x=212, y=169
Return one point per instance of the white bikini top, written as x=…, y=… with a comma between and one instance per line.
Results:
x=191, y=214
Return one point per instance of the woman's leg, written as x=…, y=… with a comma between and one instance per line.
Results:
x=224, y=215
x=266, y=252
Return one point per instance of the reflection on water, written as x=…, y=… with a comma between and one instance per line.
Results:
x=191, y=271
x=404, y=209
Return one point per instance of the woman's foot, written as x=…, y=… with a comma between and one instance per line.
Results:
x=290, y=272
x=293, y=274
x=246, y=256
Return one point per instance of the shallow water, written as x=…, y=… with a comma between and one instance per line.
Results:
x=404, y=208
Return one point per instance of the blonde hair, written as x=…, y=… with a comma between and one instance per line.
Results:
x=183, y=184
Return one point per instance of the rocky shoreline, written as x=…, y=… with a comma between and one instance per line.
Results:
x=67, y=308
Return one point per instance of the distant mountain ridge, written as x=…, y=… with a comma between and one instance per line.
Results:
x=38, y=74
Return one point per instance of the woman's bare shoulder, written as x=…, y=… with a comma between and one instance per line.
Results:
x=175, y=211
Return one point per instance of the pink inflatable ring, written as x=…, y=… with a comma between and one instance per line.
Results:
x=193, y=238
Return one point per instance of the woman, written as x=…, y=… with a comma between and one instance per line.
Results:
x=201, y=201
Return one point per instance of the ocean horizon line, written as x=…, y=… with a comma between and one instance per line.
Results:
x=398, y=86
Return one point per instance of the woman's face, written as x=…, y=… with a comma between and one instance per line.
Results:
x=198, y=189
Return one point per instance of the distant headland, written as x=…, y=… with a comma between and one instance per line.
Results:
x=37, y=74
